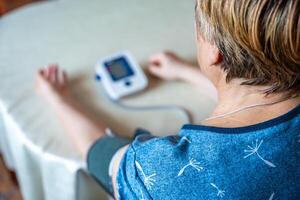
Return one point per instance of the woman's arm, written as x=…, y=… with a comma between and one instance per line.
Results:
x=169, y=66
x=79, y=126
x=194, y=76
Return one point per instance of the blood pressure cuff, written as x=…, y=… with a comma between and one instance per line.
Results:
x=100, y=156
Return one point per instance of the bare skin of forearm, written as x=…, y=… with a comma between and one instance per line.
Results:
x=79, y=125
x=194, y=76
x=168, y=66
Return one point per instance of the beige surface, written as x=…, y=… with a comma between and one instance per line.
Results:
x=75, y=33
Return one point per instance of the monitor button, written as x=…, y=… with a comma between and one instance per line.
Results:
x=98, y=77
x=127, y=83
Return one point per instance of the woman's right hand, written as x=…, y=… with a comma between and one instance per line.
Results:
x=167, y=66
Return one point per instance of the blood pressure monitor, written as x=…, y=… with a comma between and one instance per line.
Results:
x=121, y=75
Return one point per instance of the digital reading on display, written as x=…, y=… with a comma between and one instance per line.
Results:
x=119, y=68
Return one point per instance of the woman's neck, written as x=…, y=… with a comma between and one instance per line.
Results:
x=233, y=96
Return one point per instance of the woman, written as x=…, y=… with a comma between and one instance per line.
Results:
x=249, y=51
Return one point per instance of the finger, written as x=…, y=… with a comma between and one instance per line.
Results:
x=156, y=57
x=64, y=78
x=50, y=69
x=153, y=69
x=53, y=70
x=60, y=77
x=156, y=62
x=40, y=73
x=171, y=54
x=55, y=75
x=53, y=65
x=46, y=73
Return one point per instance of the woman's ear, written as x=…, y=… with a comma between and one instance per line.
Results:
x=215, y=56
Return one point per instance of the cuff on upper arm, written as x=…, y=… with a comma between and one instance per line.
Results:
x=99, y=157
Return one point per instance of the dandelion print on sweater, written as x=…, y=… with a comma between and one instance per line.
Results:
x=186, y=139
x=253, y=150
x=221, y=193
x=148, y=180
x=192, y=163
x=142, y=194
x=272, y=196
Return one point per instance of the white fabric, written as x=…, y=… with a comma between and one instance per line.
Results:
x=75, y=33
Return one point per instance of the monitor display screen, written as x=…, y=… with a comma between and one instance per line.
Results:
x=119, y=69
